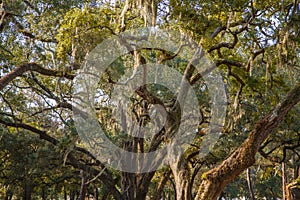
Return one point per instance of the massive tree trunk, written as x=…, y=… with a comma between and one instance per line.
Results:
x=216, y=179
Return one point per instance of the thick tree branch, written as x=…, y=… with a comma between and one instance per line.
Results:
x=229, y=63
x=32, y=67
x=216, y=179
x=267, y=155
x=43, y=135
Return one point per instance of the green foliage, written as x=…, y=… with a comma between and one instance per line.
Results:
x=82, y=29
x=258, y=58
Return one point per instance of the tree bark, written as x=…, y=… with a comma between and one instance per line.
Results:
x=83, y=185
x=250, y=187
x=128, y=185
x=216, y=179
x=283, y=178
x=181, y=175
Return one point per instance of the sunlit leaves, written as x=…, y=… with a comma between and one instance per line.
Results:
x=82, y=29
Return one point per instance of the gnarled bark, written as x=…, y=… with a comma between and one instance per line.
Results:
x=182, y=176
x=216, y=179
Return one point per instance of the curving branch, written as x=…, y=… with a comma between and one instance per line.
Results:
x=225, y=44
x=35, y=68
x=285, y=145
x=229, y=63
x=216, y=179
x=43, y=135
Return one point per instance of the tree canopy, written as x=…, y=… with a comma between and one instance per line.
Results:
x=254, y=46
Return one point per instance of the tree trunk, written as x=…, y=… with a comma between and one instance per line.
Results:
x=250, y=187
x=283, y=178
x=216, y=179
x=27, y=190
x=181, y=175
x=128, y=185
x=96, y=195
x=44, y=196
x=83, y=185
x=65, y=193
x=72, y=195
x=128, y=180
x=8, y=195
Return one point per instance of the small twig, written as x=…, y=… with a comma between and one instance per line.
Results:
x=100, y=173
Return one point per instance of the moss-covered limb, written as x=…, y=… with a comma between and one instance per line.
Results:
x=216, y=179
